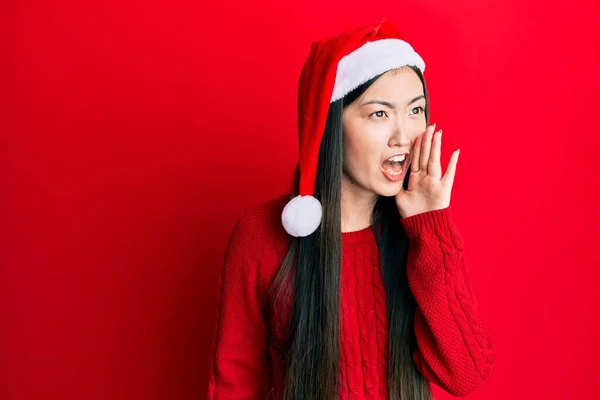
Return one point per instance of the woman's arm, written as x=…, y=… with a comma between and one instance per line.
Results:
x=239, y=361
x=455, y=350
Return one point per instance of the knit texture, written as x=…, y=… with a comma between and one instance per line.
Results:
x=454, y=351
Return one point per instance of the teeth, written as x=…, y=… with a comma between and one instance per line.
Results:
x=396, y=159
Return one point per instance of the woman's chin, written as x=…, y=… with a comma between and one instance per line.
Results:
x=389, y=190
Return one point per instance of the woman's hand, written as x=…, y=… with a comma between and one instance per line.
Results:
x=427, y=189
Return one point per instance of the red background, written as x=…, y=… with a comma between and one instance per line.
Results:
x=133, y=134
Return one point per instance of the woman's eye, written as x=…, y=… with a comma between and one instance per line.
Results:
x=419, y=110
x=379, y=114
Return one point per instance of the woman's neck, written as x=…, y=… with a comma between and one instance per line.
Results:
x=357, y=207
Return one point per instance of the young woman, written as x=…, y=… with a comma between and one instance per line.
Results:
x=354, y=286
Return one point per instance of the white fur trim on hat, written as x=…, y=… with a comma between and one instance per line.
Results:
x=301, y=216
x=370, y=60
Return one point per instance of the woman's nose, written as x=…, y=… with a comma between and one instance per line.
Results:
x=399, y=137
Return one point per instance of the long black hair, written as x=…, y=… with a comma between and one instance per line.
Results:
x=308, y=283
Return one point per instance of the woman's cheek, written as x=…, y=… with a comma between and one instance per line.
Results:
x=420, y=125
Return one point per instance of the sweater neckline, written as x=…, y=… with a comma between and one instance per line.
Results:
x=360, y=235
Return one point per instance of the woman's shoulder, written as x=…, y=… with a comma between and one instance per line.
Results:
x=260, y=226
x=264, y=218
x=258, y=244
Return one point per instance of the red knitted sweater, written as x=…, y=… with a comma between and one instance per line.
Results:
x=454, y=348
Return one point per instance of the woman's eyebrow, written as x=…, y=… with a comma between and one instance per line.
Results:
x=416, y=99
x=392, y=105
x=382, y=102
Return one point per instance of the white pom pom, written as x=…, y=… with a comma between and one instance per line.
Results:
x=301, y=216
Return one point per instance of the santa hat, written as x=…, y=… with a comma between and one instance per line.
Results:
x=336, y=66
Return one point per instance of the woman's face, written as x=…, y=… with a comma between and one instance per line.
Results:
x=382, y=123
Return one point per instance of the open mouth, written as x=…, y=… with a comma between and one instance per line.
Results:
x=394, y=165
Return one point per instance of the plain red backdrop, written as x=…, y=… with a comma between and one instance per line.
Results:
x=133, y=134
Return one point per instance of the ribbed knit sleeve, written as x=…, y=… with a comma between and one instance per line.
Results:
x=455, y=350
x=239, y=361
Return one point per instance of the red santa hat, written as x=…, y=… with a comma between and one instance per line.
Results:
x=336, y=66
